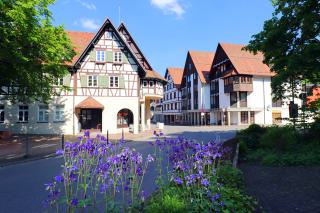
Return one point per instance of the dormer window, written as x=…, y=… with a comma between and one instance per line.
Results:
x=151, y=83
x=117, y=57
x=100, y=56
x=145, y=83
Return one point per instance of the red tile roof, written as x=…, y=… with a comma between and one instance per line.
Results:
x=246, y=62
x=154, y=74
x=80, y=41
x=89, y=103
x=176, y=74
x=315, y=95
x=202, y=61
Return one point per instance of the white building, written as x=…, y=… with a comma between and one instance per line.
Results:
x=171, y=104
x=112, y=85
x=241, y=89
x=196, y=88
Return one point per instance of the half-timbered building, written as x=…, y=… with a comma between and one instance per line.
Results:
x=171, y=104
x=111, y=87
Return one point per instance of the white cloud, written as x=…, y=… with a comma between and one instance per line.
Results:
x=89, y=24
x=89, y=6
x=170, y=6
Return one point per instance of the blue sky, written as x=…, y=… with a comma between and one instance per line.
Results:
x=166, y=29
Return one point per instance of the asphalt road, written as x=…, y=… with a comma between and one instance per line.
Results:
x=22, y=185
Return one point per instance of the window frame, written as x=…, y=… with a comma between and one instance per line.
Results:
x=100, y=57
x=117, y=55
x=94, y=82
x=2, y=113
x=114, y=81
x=24, y=110
x=108, y=35
x=44, y=109
x=144, y=83
x=59, y=82
x=150, y=83
x=61, y=115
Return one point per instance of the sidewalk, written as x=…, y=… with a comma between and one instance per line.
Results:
x=20, y=148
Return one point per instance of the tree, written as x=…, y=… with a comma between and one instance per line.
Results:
x=290, y=44
x=33, y=52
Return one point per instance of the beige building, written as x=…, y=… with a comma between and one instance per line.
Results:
x=111, y=87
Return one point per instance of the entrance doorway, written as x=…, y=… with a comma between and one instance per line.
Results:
x=91, y=119
x=124, y=118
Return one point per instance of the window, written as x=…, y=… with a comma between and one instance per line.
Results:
x=277, y=103
x=92, y=80
x=108, y=35
x=59, y=82
x=159, y=84
x=145, y=83
x=243, y=99
x=23, y=113
x=190, y=66
x=100, y=56
x=43, y=113
x=233, y=99
x=244, y=117
x=1, y=113
x=114, y=81
x=151, y=83
x=176, y=106
x=117, y=57
x=59, y=113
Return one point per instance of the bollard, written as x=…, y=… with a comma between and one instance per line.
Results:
x=62, y=141
x=122, y=137
x=107, y=135
x=27, y=147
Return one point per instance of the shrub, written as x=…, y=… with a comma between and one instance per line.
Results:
x=279, y=138
x=230, y=176
x=250, y=137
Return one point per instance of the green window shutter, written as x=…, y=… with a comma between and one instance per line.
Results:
x=93, y=55
x=121, y=82
x=103, y=80
x=125, y=58
x=109, y=56
x=66, y=80
x=83, y=80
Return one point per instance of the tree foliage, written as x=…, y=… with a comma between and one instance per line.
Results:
x=33, y=52
x=290, y=44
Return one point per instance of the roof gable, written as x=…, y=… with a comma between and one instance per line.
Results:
x=245, y=62
x=202, y=61
x=176, y=74
x=142, y=72
x=133, y=45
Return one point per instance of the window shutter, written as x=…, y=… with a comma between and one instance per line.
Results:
x=93, y=55
x=83, y=80
x=66, y=80
x=125, y=58
x=103, y=81
x=109, y=56
x=121, y=82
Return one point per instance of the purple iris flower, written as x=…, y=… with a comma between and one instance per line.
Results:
x=74, y=202
x=178, y=180
x=59, y=152
x=59, y=178
x=205, y=182
x=86, y=134
x=150, y=158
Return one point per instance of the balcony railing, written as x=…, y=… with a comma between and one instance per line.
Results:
x=238, y=87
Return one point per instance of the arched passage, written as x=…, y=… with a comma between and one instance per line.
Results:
x=124, y=118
